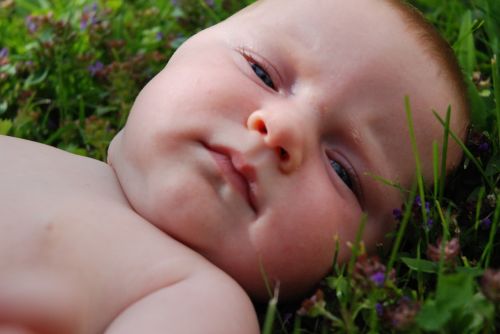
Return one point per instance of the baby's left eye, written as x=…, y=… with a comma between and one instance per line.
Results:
x=263, y=75
x=342, y=173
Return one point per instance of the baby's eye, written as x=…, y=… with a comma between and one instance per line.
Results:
x=263, y=75
x=342, y=173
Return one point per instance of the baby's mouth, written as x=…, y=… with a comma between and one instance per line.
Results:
x=236, y=172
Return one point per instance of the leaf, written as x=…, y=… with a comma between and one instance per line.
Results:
x=454, y=293
x=420, y=265
x=493, y=166
x=473, y=271
x=341, y=287
x=431, y=317
x=481, y=310
x=465, y=45
x=454, y=290
x=5, y=126
x=33, y=80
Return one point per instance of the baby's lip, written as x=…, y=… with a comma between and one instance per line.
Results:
x=237, y=172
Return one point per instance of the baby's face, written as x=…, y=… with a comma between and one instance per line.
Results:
x=254, y=145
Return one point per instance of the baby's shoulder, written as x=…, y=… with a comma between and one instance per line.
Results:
x=206, y=301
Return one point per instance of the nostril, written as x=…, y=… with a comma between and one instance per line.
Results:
x=283, y=154
x=261, y=127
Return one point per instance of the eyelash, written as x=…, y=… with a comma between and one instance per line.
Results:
x=260, y=70
x=345, y=174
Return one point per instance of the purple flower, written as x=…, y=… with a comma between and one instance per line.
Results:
x=379, y=308
x=209, y=2
x=159, y=36
x=83, y=24
x=427, y=207
x=483, y=147
x=430, y=223
x=486, y=223
x=174, y=2
x=397, y=214
x=378, y=278
x=418, y=201
x=95, y=68
x=4, y=52
x=89, y=16
x=31, y=24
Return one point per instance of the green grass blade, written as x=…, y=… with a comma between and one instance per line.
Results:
x=267, y=328
x=435, y=168
x=418, y=165
x=496, y=89
x=486, y=256
x=401, y=229
x=444, y=154
x=357, y=243
x=468, y=154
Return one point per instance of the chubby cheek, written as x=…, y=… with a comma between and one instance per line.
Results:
x=299, y=243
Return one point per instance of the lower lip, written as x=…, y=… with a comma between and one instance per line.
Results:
x=231, y=175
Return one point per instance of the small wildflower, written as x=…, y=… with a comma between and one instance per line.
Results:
x=427, y=207
x=430, y=223
x=89, y=16
x=483, y=147
x=402, y=315
x=451, y=251
x=318, y=299
x=210, y=3
x=96, y=68
x=31, y=24
x=379, y=308
x=490, y=285
x=397, y=214
x=486, y=223
x=369, y=272
x=418, y=201
x=4, y=53
x=378, y=278
x=159, y=36
x=478, y=142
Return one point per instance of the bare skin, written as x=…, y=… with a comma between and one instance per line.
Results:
x=90, y=272
x=240, y=155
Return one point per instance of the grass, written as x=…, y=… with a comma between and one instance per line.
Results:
x=69, y=72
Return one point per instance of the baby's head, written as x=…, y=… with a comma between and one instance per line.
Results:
x=257, y=144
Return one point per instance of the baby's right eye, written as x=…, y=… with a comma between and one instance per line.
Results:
x=262, y=74
x=343, y=173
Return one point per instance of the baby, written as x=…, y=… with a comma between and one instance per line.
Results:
x=245, y=157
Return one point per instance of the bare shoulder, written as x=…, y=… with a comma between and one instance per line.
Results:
x=206, y=302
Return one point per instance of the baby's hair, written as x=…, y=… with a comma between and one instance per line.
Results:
x=437, y=49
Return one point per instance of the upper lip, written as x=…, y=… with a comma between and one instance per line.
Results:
x=242, y=169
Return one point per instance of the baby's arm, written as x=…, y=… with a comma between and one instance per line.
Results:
x=202, y=303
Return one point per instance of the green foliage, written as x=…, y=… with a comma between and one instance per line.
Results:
x=70, y=71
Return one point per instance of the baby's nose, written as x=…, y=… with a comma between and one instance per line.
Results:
x=282, y=136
